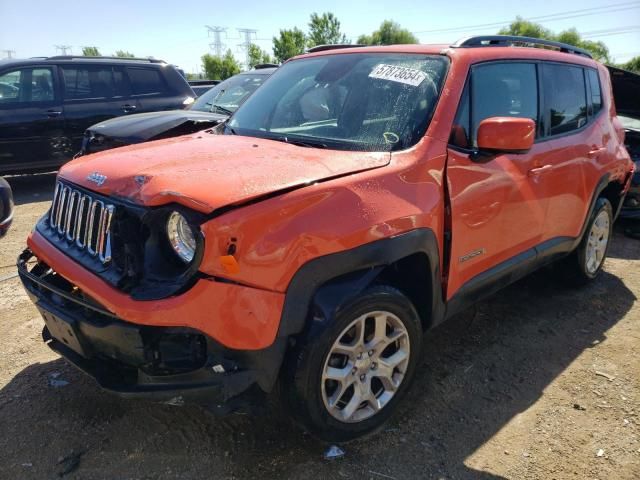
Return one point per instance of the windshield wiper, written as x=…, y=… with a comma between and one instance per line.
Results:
x=299, y=143
x=226, y=111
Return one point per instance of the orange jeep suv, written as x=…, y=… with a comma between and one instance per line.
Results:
x=357, y=199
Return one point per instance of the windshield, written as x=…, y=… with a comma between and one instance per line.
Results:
x=356, y=101
x=227, y=96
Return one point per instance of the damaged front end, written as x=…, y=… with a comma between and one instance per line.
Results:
x=174, y=365
x=144, y=127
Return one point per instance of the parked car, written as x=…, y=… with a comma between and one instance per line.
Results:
x=626, y=93
x=46, y=104
x=6, y=207
x=200, y=87
x=357, y=199
x=209, y=110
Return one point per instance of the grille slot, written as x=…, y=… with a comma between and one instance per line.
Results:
x=82, y=221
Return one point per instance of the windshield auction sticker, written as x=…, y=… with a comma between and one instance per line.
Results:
x=393, y=73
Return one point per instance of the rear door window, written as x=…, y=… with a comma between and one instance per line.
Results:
x=87, y=82
x=145, y=81
x=565, y=98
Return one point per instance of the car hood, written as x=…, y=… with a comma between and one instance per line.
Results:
x=145, y=126
x=204, y=171
x=626, y=91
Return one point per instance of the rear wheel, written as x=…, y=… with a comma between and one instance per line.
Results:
x=347, y=381
x=586, y=262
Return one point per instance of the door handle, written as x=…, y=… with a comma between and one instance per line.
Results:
x=128, y=108
x=53, y=113
x=540, y=170
x=596, y=151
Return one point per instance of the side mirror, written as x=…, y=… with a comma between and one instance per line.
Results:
x=506, y=134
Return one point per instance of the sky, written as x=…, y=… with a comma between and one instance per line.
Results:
x=175, y=31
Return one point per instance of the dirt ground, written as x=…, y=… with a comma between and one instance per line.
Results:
x=539, y=382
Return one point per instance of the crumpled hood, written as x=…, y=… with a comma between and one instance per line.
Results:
x=144, y=126
x=205, y=171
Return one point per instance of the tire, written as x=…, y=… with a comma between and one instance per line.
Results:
x=585, y=263
x=324, y=405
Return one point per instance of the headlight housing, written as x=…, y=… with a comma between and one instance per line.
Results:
x=181, y=237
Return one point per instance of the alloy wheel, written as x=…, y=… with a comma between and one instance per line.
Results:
x=365, y=366
x=597, y=242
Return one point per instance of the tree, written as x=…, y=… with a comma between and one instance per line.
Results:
x=389, y=33
x=220, y=68
x=325, y=30
x=525, y=28
x=571, y=36
x=90, y=52
x=258, y=56
x=632, y=65
x=124, y=54
x=288, y=44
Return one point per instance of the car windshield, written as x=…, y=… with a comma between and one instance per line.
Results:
x=354, y=101
x=227, y=96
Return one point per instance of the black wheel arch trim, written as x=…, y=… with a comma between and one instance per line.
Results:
x=329, y=281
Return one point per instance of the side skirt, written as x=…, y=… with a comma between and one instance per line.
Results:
x=491, y=281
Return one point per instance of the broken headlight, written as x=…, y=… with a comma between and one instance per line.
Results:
x=181, y=237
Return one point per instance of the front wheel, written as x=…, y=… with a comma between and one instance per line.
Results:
x=348, y=380
x=586, y=262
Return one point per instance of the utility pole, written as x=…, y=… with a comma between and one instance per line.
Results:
x=63, y=49
x=247, y=33
x=8, y=53
x=217, y=44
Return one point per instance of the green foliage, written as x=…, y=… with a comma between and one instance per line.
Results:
x=90, y=52
x=526, y=28
x=220, y=68
x=389, y=33
x=288, y=44
x=123, y=54
x=325, y=30
x=257, y=56
x=632, y=65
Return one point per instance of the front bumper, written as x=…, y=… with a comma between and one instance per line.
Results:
x=174, y=365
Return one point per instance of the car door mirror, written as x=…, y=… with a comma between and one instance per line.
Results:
x=506, y=134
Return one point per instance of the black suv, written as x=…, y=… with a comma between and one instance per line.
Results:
x=47, y=103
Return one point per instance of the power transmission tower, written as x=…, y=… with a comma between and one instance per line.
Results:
x=217, y=44
x=247, y=33
x=8, y=53
x=63, y=49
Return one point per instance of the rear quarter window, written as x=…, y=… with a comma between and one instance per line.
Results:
x=596, y=94
x=146, y=81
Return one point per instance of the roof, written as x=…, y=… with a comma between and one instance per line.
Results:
x=78, y=59
x=259, y=71
x=486, y=48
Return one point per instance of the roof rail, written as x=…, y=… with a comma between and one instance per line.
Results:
x=82, y=57
x=336, y=46
x=517, y=41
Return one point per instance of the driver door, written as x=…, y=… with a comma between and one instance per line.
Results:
x=497, y=200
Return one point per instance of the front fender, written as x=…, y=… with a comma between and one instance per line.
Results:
x=325, y=283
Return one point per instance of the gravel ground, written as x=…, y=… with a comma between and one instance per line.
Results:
x=541, y=381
